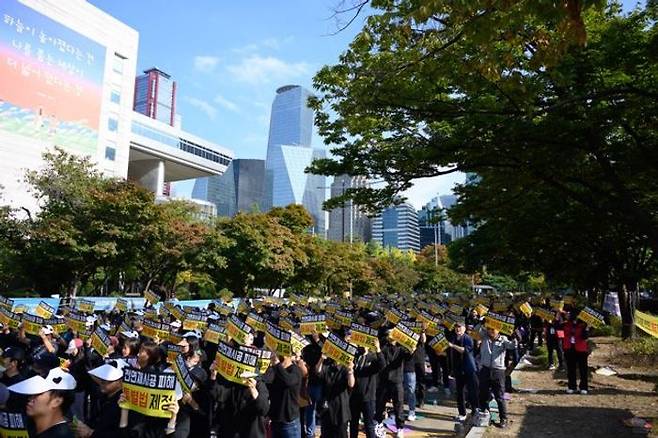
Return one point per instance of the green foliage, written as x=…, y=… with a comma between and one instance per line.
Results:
x=643, y=346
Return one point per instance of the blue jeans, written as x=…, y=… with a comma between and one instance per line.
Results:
x=314, y=393
x=410, y=390
x=286, y=430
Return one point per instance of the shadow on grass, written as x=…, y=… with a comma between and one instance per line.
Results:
x=649, y=378
x=581, y=422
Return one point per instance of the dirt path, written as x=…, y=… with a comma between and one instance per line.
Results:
x=550, y=412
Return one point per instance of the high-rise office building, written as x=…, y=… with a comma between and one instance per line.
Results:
x=240, y=189
x=397, y=227
x=348, y=223
x=432, y=222
x=289, y=153
x=155, y=96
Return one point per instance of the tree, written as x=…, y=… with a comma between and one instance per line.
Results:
x=487, y=88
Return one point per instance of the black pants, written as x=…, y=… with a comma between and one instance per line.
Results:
x=366, y=408
x=329, y=430
x=576, y=359
x=539, y=333
x=390, y=391
x=492, y=381
x=554, y=345
x=468, y=382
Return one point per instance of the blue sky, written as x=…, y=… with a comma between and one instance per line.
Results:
x=228, y=58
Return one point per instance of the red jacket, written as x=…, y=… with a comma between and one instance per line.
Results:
x=577, y=330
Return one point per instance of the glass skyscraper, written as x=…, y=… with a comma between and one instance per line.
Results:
x=239, y=189
x=289, y=153
x=397, y=227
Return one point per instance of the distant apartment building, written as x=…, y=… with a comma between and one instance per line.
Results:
x=348, y=223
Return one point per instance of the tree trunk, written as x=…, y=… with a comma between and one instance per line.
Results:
x=628, y=297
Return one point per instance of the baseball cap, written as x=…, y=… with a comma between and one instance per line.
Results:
x=192, y=334
x=130, y=334
x=57, y=379
x=75, y=343
x=48, y=330
x=111, y=371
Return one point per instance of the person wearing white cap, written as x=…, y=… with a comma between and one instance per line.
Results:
x=106, y=420
x=49, y=401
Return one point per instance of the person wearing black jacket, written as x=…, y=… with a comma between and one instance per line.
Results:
x=390, y=385
x=284, y=380
x=311, y=355
x=239, y=410
x=336, y=381
x=367, y=366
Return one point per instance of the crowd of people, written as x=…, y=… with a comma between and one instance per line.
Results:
x=58, y=383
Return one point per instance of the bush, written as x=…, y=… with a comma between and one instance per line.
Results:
x=540, y=356
x=612, y=329
x=643, y=346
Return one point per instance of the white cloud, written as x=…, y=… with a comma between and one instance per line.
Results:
x=257, y=69
x=203, y=106
x=271, y=43
x=205, y=64
x=226, y=104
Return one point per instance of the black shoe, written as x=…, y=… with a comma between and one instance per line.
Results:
x=503, y=424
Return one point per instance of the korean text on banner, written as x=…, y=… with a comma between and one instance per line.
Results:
x=100, y=340
x=13, y=425
x=591, y=317
x=183, y=374
x=151, y=297
x=237, y=330
x=86, y=306
x=44, y=310
x=439, y=343
x=363, y=336
x=148, y=393
x=502, y=323
x=339, y=350
x=647, y=323
x=310, y=324
x=405, y=336
x=278, y=340
x=32, y=324
x=232, y=363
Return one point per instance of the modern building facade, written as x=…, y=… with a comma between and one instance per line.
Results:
x=289, y=153
x=240, y=189
x=67, y=80
x=155, y=96
x=348, y=223
x=397, y=227
x=432, y=224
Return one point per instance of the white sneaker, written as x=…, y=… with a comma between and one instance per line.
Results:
x=432, y=389
x=411, y=416
x=380, y=430
x=400, y=433
x=552, y=367
x=583, y=391
x=570, y=391
x=460, y=418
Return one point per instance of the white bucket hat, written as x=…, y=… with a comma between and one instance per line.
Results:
x=57, y=379
x=111, y=371
x=130, y=335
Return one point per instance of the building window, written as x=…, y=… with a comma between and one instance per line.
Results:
x=113, y=124
x=117, y=64
x=110, y=153
x=115, y=97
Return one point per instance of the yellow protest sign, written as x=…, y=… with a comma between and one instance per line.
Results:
x=151, y=297
x=32, y=324
x=44, y=310
x=439, y=343
x=504, y=324
x=237, y=330
x=100, y=340
x=481, y=309
x=557, y=304
x=173, y=351
x=9, y=318
x=394, y=316
x=286, y=324
x=13, y=425
x=345, y=318
x=121, y=305
x=310, y=324
x=7, y=303
x=148, y=393
x=298, y=342
x=264, y=357
x=524, y=308
x=339, y=350
x=648, y=323
x=256, y=322
x=544, y=314
x=363, y=336
x=195, y=321
x=232, y=363
x=183, y=374
x=215, y=334
x=154, y=329
x=85, y=306
x=278, y=340
x=591, y=317
x=405, y=336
